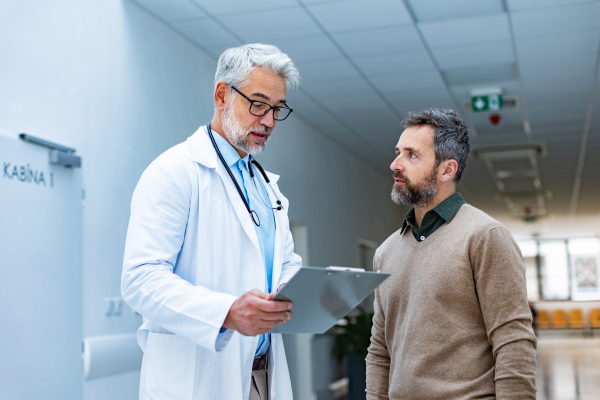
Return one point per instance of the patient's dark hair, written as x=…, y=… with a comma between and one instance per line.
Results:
x=450, y=137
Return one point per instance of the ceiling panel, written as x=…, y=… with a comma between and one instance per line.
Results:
x=550, y=119
x=558, y=98
x=435, y=10
x=555, y=20
x=558, y=45
x=287, y=23
x=364, y=104
x=509, y=87
x=326, y=70
x=526, y=4
x=331, y=90
x=497, y=52
x=379, y=40
x=480, y=74
x=207, y=33
x=172, y=10
x=557, y=84
x=421, y=100
x=581, y=64
x=311, y=48
x=467, y=30
x=399, y=83
x=393, y=63
x=229, y=7
x=562, y=109
x=360, y=14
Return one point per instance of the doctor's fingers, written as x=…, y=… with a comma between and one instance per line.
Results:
x=274, y=306
x=276, y=316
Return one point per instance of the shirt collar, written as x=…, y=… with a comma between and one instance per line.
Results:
x=229, y=153
x=446, y=210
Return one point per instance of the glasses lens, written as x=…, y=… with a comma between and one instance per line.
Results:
x=259, y=109
x=281, y=113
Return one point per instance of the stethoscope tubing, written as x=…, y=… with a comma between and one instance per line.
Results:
x=253, y=214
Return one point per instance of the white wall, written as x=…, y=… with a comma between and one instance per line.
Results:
x=108, y=79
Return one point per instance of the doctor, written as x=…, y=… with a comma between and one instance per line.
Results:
x=209, y=244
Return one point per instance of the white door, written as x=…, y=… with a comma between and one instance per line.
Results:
x=40, y=275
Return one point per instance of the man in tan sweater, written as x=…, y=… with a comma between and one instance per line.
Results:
x=452, y=322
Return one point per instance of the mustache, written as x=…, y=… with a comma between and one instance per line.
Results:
x=261, y=128
x=398, y=175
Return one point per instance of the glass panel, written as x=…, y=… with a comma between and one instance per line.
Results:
x=529, y=250
x=555, y=270
x=585, y=262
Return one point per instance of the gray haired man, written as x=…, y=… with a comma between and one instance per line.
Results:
x=209, y=244
x=453, y=321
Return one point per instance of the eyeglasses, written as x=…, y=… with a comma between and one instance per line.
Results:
x=260, y=109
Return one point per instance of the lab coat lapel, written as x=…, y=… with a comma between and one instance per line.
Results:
x=202, y=151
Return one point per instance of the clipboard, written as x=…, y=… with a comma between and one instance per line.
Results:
x=323, y=296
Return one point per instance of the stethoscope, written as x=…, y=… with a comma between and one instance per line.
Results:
x=251, y=161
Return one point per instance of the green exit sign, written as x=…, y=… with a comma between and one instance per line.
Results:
x=487, y=103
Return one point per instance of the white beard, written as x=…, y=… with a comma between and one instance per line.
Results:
x=238, y=137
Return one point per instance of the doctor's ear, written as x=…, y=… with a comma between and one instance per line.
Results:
x=222, y=95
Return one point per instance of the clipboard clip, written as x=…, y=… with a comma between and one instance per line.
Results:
x=345, y=269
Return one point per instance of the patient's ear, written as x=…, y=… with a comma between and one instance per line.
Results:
x=448, y=169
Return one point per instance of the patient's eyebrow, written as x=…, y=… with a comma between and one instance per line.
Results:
x=409, y=149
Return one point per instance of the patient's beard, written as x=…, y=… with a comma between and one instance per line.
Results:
x=419, y=193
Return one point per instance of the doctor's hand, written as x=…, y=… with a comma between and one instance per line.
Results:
x=254, y=313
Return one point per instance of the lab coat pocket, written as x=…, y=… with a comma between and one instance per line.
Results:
x=171, y=367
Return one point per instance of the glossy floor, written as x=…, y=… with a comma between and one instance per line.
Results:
x=568, y=367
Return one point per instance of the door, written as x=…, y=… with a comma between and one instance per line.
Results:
x=40, y=275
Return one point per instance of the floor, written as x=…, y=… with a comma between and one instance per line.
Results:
x=568, y=367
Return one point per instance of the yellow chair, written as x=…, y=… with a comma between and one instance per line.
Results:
x=595, y=318
x=543, y=321
x=576, y=319
x=559, y=319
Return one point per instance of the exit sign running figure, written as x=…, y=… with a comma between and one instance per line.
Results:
x=487, y=103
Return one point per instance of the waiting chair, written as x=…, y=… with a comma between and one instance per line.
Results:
x=559, y=319
x=576, y=319
x=595, y=318
x=543, y=321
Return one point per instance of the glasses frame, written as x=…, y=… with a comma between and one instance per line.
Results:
x=285, y=106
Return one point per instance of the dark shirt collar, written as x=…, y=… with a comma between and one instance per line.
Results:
x=445, y=210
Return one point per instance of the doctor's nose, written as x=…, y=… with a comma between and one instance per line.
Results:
x=268, y=120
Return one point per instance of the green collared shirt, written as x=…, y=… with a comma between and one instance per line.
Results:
x=435, y=218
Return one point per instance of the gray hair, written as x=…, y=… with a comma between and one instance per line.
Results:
x=450, y=137
x=236, y=64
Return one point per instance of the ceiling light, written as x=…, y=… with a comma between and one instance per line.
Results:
x=520, y=151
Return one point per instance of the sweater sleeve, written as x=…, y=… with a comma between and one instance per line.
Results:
x=499, y=274
x=378, y=357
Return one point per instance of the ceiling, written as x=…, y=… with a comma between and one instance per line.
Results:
x=366, y=64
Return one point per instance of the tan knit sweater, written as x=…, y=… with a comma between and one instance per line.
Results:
x=452, y=322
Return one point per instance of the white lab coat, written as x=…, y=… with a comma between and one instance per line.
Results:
x=191, y=251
